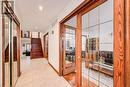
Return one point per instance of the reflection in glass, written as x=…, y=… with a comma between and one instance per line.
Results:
x=25, y=34
x=69, y=50
x=97, y=42
x=6, y=49
x=14, y=58
x=69, y=54
x=70, y=46
x=26, y=48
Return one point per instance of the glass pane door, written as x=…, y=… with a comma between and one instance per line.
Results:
x=6, y=46
x=9, y=46
x=97, y=46
x=14, y=53
x=10, y=52
x=69, y=62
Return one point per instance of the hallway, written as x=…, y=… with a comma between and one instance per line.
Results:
x=38, y=73
x=65, y=43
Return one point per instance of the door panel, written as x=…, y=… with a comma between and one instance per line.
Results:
x=6, y=47
x=69, y=51
x=97, y=42
x=14, y=54
x=69, y=46
x=9, y=47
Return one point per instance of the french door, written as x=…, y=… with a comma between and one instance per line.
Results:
x=97, y=42
x=97, y=34
x=69, y=41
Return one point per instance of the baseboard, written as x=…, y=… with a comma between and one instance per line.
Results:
x=53, y=68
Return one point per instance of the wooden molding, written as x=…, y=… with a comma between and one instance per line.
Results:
x=119, y=43
x=76, y=10
x=78, y=50
x=79, y=11
x=127, y=43
x=3, y=52
x=18, y=49
x=53, y=68
x=70, y=27
x=61, y=37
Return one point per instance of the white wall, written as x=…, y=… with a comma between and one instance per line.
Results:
x=34, y=34
x=0, y=46
x=54, y=47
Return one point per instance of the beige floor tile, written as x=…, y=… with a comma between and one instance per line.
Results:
x=38, y=73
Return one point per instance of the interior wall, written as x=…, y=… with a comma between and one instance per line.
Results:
x=34, y=34
x=53, y=49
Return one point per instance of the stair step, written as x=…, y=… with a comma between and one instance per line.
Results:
x=36, y=48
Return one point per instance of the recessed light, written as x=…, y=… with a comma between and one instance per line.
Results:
x=40, y=7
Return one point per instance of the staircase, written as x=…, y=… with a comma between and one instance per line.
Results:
x=36, y=48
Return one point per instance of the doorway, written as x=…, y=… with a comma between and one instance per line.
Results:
x=95, y=45
x=69, y=60
x=46, y=36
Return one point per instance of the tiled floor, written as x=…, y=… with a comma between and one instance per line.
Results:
x=38, y=73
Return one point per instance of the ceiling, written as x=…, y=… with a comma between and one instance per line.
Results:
x=31, y=18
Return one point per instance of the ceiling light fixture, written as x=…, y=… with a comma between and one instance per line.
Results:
x=40, y=8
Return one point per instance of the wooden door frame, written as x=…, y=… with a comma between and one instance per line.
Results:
x=14, y=18
x=18, y=49
x=44, y=39
x=120, y=72
x=119, y=43
x=84, y=7
x=3, y=50
x=127, y=43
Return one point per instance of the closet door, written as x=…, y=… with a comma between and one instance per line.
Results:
x=69, y=60
x=14, y=53
x=10, y=45
x=6, y=50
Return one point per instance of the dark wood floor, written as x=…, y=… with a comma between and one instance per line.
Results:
x=71, y=79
